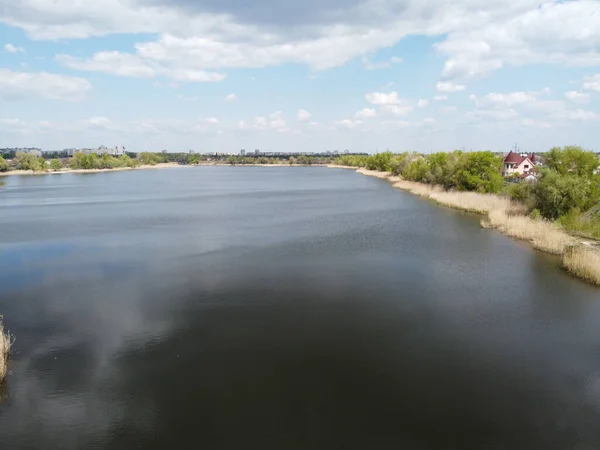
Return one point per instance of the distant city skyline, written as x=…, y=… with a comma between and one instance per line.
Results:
x=358, y=74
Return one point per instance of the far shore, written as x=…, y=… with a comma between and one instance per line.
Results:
x=161, y=166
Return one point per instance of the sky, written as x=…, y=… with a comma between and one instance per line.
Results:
x=316, y=75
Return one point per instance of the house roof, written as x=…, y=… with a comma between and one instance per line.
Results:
x=517, y=159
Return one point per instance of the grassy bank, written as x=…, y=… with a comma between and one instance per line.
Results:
x=507, y=216
x=5, y=344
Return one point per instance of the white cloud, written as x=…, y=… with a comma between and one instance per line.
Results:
x=17, y=85
x=505, y=100
x=372, y=65
x=440, y=98
x=580, y=114
x=397, y=110
x=130, y=65
x=231, y=98
x=449, y=87
x=9, y=48
x=552, y=32
x=303, y=115
x=578, y=97
x=497, y=114
x=203, y=37
x=592, y=83
x=381, y=98
x=212, y=121
x=348, y=123
x=366, y=112
x=422, y=103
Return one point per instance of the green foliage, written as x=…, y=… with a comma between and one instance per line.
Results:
x=582, y=224
x=535, y=214
x=558, y=194
x=352, y=160
x=417, y=170
x=380, y=161
x=28, y=161
x=56, y=164
x=572, y=160
x=3, y=164
x=523, y=193
x=126, y=161
x=481, y=173
x=292, y=161
x=150, y=159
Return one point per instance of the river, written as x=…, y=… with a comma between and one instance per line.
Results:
x=283, y=308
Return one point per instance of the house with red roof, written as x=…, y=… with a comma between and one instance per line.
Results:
x=515, y=164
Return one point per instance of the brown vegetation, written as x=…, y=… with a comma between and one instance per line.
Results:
x=584, y=262
x=5, y=344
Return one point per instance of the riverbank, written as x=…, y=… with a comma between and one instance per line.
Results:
x=116, y=169
x=579, y=257
x=5, y=344
x=159, y=166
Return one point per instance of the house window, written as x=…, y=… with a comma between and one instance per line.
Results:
x=527, y=166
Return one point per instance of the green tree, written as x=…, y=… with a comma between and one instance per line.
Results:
x=56, y=164
x=3, y=164
x=292, y=161
x=28, y=161
x=572, y=159
x=380, y=161
x=558, y=194
x=481, y=173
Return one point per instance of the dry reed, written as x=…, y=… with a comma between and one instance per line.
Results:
x=5, y=344
x=583, y=262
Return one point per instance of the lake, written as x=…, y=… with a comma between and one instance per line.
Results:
x=283, y=308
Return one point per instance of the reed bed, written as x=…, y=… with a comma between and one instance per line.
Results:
x=584, y=262
x=5, y=344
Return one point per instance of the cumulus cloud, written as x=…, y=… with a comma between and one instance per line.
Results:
x=129, y=65
x=577, y=97
x=9, y=48
x=348, y=123
x=366, y=112
x=18, y=85
x=206, y=37
x=592, y=83
x=449, y=87
x=371, y=65
x=440, y=98
x=303, y=115
x=231, y=98
x=422, y=103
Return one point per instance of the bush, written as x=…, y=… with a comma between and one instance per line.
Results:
x=556, y=194
x=380, y=161
x=3, y=164
x=28, y=161
x=56, y=164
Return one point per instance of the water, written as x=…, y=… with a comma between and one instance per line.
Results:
x=283, y=308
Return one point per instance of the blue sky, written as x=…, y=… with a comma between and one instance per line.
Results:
x=363, y=75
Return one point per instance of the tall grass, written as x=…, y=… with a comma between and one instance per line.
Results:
x=584, y=262
x=5, y=344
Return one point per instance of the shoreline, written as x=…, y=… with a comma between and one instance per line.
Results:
x=159, y=166
x=580, y=258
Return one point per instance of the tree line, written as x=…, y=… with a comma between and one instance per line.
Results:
x=567, y=187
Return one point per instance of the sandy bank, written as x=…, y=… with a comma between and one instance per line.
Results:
x=579, y=258
x=116, y=169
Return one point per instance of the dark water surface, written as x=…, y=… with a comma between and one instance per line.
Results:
x=283, y=308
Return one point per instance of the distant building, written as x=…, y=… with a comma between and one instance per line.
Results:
x=515, y=164
x=31, y=150
x=242, y=152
